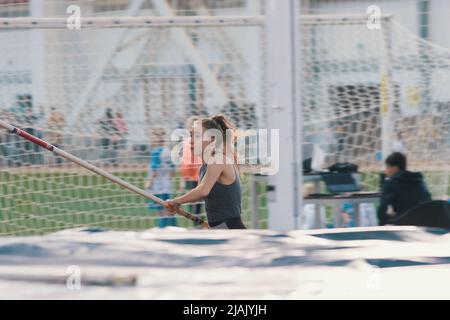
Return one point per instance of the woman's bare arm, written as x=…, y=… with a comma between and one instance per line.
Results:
x=212, y=174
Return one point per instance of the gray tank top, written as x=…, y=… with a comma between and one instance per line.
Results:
x=223, y=201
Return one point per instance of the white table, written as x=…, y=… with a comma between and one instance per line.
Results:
x=336, y=201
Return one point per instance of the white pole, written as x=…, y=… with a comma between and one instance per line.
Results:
x=284, y=112
x=387, y=93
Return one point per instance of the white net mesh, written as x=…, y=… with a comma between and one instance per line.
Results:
x=359, y=82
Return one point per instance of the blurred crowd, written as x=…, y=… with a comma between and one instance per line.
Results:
x=109, y=144
x=15, y=151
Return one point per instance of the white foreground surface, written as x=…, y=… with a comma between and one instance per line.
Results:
x=173, y=263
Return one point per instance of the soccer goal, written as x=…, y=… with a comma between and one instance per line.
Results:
x=105, y=91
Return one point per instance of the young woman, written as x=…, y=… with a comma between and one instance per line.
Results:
x=219, y=184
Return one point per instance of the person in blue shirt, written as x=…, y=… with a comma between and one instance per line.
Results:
x=161, y=171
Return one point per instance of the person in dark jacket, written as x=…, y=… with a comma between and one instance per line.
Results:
x=402, y=189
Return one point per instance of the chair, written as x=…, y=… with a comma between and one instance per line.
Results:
x=435, y=214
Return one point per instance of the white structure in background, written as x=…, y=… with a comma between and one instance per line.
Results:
x=285, y=203
x=415, y=15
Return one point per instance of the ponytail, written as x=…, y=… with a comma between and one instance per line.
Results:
x=223, y=124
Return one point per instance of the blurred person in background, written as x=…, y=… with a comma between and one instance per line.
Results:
x=233, y=110
x=56, y=123
x=32, y=152
x=121, y=129
x=190, y=167
x=5, y=140
x=249, y=118
x=11, y=142
x=401, y=190
x=106, y=131
x=161, y=172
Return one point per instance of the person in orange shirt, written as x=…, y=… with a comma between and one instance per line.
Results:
x=190, y=167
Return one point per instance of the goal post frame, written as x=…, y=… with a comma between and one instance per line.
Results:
x=173, y=21
x=285, y=202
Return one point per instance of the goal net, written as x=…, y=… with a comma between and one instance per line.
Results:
x=106, y=92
